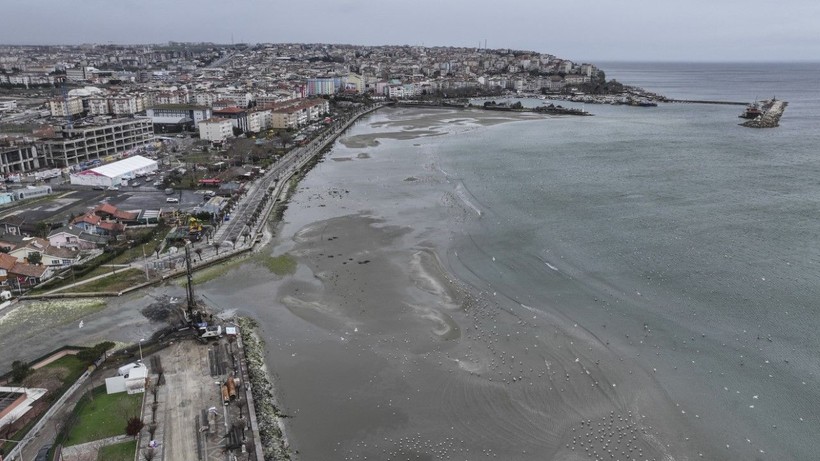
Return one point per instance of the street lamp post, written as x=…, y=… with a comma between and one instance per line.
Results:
x=144, y=262
x=140, y=345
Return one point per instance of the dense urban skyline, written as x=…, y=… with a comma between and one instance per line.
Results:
x=699, y=30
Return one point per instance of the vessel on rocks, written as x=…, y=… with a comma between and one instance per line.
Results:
x=769, y=117
x=752, y=111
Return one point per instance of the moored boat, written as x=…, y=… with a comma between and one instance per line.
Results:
x=752, y=111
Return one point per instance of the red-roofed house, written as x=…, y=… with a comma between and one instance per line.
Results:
x=109, y=211
x=75, y=238
x=87, y=222
x=93, y=224
x=49, y=255
x=6, y=263
x=28, y=275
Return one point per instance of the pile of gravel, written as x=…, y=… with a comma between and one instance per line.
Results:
x=164, y=309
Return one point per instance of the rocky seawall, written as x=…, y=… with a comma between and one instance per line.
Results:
x=769, y=119
x=271, y=426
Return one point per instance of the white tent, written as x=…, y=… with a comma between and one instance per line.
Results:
x=112, y=174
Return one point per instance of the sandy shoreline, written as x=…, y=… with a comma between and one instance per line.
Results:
x=380, y=352
x=429, y=354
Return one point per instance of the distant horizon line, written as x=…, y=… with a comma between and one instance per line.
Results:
x=707, y=61
x=584, y=60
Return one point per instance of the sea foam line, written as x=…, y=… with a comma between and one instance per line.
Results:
x=461, y=192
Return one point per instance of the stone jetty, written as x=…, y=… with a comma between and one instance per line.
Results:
x=771, y=117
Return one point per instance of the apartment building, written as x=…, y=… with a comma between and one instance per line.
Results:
x=575, y=79
x=259, y=120
x=300, y=113
x=78, y=74
x=116, y=105
x=215, y=129
x=354, y=83
x=266, y=100
x=320, y=86
x=169, y=97
x=97, y=106
x=57, y=106
x=204, y=98
x=85, y=143
x=27, y=79
x=289, y=117
x=237, y=116
x=171, y=118
x=126, y=105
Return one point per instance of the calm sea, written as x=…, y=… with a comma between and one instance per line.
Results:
x=674, y=238
x=691, y=226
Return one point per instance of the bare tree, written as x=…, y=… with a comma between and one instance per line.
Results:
x=133, y=426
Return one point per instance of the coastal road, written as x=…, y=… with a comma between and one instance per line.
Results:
x=290, y=163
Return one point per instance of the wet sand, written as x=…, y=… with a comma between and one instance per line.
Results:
x=379, y=352
x=35, y=328
x=416, y=124
x=394, y=358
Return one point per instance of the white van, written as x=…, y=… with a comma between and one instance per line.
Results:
x=125, y=370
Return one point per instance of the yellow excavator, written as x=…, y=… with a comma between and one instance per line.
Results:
x=194, y=228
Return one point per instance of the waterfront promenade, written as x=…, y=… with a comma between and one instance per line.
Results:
x=245, y=228
x=261, y=197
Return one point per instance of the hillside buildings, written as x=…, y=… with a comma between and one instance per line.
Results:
x=120, y=97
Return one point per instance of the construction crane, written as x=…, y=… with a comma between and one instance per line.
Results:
x=191, y=305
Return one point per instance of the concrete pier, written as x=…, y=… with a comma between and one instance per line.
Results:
x=770, y=118
x=698, y=101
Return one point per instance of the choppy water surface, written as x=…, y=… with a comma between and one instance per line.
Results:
x=640, y=284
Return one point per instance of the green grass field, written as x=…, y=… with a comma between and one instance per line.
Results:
x=122, y=279
x=75, y=366
x=280, y=265
x=120, y=452
x=103, y=416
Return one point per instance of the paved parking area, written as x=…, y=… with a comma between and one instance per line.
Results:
x=151, y=198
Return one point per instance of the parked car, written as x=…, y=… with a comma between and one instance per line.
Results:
x=172, y=200
x=98, y=187
x=113, y=187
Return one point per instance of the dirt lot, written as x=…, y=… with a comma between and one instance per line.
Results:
x=192, y=419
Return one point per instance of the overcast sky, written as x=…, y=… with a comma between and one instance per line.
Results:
x=580, y=30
